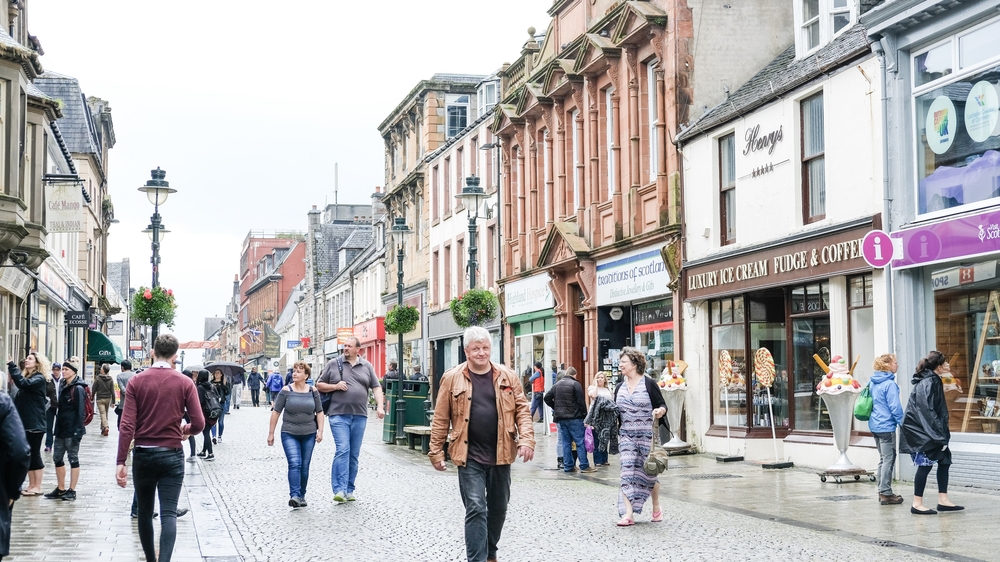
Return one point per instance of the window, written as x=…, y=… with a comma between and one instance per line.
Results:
x=819, y=21
x=813, y=161
x=652, y=119
x=729, y=348
x=447, y=274
x=486, y=97
x=810, y=336
x=447, y=193
x=955, y=119
x=436, y=278
x=610, y=135
x=459, y=172
x=460, y=267
x=727, y=188
x=577, y=165
x=547, y=178
x=457, y=113
x=474, y=158
x=861, y=323
x=435, y=192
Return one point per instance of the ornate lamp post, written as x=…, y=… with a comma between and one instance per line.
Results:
x=156, y=189
x=400, y=232
x=471, y=194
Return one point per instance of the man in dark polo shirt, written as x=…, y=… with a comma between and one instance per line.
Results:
x=484, y=407
x=155, y=404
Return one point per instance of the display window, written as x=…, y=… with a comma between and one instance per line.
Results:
x=955, y=110
x=654, y=333
x=967, y=331
x=810, y=321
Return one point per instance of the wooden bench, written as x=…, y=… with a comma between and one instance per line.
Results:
x=424, y=432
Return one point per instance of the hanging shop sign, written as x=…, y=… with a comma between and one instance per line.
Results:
x=370, y=330
x=293, y=344
x=77, y=319
x=64, y=207
x=817, y=257
x=15, y=282
x=528, y=295
x=636, y=275
x=330, y=346
x=343, y=334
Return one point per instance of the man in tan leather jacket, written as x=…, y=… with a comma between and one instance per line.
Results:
x=484, y=407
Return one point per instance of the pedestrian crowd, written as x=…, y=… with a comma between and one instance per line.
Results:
x=482, y=422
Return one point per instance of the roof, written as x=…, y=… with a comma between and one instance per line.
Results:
x=467, y=78
x=76, y=124
x=781, y=76
x=358, y=239
x=327, y=248
x=289, y=311
x=212, y=327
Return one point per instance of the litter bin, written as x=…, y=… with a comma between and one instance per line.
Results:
x=414, y=393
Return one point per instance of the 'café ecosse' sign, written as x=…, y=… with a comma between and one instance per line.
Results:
x=815, y=258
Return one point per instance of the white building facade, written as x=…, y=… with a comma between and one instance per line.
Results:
x=781, y=183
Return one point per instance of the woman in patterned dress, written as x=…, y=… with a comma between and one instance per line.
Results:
x=639, y=403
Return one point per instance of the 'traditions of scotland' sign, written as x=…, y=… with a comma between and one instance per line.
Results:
x=64, y=207
x=636, y=275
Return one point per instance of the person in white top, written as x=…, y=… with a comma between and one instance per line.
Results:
x=598, y=389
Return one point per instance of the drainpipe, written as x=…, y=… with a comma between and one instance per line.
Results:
x=879, y=52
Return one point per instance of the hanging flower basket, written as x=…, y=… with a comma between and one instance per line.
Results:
x=474, y=308
x=401, y=319
x=152, y=307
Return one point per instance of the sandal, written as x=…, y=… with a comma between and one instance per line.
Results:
x=657, y=516
x=625, y=522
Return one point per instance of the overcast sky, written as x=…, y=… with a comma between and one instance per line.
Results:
x=247, y=104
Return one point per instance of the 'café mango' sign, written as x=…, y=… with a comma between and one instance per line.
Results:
x=809, y=259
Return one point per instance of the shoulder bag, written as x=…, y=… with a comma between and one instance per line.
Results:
x=656, y=461
x=326, y=397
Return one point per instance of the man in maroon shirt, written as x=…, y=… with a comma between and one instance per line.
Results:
x=156, y=401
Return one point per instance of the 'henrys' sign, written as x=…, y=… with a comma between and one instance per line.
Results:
x=635, y=275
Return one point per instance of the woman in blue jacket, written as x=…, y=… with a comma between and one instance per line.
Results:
x=887, y=415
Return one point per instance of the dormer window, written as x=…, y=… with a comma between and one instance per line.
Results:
x=457, y=112
x=819, y=21
x=486, y=96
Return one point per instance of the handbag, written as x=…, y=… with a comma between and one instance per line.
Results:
x=863, y=407
x=588, y=439
x=325, y=398
x=656, y=461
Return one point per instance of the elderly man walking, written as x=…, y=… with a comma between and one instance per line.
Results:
x=348, y=378
x=483, y=405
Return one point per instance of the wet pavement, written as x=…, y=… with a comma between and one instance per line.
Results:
x=407, y=510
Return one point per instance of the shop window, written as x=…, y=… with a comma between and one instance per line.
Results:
x=970, y=339
x=727, y=188
x=861, y=322
x=813, y=160
x=810, y=336
x=955, y=106
x=766, y=318
x=728, y=341
x=654, y=333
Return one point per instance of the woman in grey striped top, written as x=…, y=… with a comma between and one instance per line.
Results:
x=301, y=428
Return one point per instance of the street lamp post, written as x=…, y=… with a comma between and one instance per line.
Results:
x=499, y=275
x=400, y=232
x=156, y=189
x=470, y=195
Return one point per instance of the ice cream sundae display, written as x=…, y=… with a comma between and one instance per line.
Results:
x=839, y=390
x=951, y=384
x=838, y=379
x=673, y=387
x=673, y=377
x=763, y=367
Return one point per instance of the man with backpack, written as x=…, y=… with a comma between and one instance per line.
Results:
x=76, y=409
x=155, y=404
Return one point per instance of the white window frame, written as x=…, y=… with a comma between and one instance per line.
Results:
x=958, y=73
x=576, y=160
x=825, y=18
x=450, y=100
x=652, y=118
x=609, y=109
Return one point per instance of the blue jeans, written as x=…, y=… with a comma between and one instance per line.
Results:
x=348, y=433
x=221, y=424
x=537, y=403
x=572, y=431
x=485, y=492
x=298, y=451
x=158, y=471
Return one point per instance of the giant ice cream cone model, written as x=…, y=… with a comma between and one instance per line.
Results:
x=673, y=386
x=839, y=391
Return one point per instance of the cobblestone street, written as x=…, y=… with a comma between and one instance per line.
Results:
x=239, y=511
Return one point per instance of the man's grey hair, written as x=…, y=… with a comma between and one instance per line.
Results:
x=476, y=333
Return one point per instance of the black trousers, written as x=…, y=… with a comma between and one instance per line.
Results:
x=158, y=471
x=255, y=396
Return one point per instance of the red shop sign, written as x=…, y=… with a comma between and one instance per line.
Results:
x=370, y=330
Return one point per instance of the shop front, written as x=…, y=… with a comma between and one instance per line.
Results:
x=634, y=309
x=944, y=123
x=529, y=307
x=371, y=337
x=812, y=295
x=49, y=312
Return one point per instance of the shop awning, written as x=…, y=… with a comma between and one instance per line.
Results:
x=102, y=349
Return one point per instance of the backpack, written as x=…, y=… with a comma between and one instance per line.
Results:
x=275, y=383
x=88, y=406
x=212, y=405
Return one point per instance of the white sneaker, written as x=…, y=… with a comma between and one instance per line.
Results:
x=219, y=439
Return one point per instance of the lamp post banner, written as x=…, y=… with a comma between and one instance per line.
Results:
x=64, y=207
